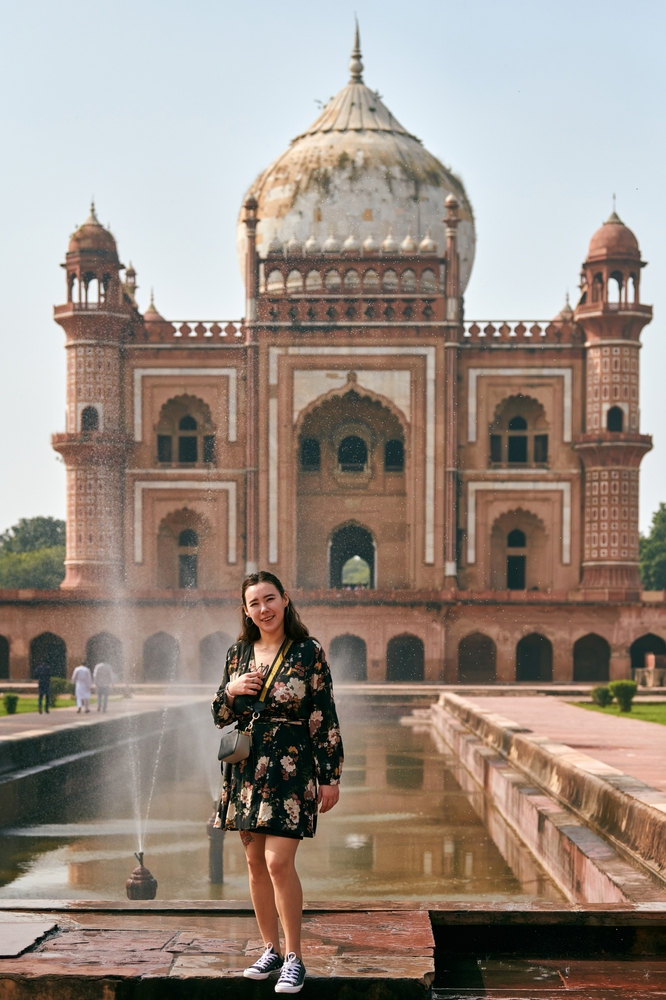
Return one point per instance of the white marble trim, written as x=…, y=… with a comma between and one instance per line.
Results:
x=141, y=485
x=532, y=372
x=429, y=354
x=518, y=486
x=230, y=373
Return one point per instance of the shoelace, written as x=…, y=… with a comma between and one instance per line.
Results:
x=291, y=969
x=266, y=959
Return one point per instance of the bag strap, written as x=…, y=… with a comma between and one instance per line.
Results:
x=279, y=660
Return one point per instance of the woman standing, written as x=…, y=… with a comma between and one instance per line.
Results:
x=293, y=771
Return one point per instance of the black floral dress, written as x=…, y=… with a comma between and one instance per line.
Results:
x=296, y=744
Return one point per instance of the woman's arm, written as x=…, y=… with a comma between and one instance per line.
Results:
x=325, y=731
x=237, y=683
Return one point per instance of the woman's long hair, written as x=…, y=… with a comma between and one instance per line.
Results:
x=293, y=626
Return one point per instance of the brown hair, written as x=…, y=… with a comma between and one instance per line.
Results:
x=293, y=626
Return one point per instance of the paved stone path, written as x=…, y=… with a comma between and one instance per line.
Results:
x=32, y=723
x=635, y=747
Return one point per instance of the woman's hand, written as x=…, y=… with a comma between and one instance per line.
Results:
x=249, y=683
x=327, y=797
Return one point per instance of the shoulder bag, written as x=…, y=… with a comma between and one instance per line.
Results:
x=235, y=743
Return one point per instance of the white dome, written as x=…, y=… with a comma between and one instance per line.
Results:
x=356, y=169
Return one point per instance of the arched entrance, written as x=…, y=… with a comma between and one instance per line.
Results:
x=161, y=658
x=50, y=649
x=534, y=658
x=4, y=658
x=106, y=648
x=212, y=657
x=477, y=657
x=346, y=543
x=648, y=643
x=348, y=658
x=405, y=658
x=591, y=656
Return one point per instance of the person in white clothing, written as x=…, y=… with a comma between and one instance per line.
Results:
x=103, y=677
x=82, y=681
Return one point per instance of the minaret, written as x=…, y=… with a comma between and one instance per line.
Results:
x=611, y=448
x=95, y=319
x=252, y=384
x=451, y=393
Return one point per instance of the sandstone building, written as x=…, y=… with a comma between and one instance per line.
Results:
x=445, y=499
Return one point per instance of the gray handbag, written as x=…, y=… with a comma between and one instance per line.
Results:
x=236, y=743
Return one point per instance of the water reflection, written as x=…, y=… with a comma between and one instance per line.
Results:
x=404, y=829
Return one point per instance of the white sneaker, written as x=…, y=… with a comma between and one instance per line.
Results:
x=267, y=963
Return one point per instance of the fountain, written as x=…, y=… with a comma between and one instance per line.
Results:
x=141, y=884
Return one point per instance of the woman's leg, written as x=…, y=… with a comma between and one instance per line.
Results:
x=280, y=854
x=261, y=887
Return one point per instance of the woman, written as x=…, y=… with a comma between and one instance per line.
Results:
x=293, y=769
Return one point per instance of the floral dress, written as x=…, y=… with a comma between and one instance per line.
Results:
x=296, y=744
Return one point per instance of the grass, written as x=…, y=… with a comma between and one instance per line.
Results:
x=27, y=703
x=641, y=711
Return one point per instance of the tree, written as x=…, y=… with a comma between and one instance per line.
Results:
x=652, y=549
x=32, y=554
x=33, y=533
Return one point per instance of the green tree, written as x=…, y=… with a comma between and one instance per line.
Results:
x=652, y=548
x=33, y=533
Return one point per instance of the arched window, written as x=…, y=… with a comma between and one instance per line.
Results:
x=428, y=282
x=517, y=438
x=476, y=659
x=294, y=282
x=332, y=281
x=394, y=456
x=352, y=281
x=371, y=281
x=615, y=419
x=188, y=559
x=310, y=455
x=4, y=658
x=105, y=648
x=49, y=649
x=390, y=281
x=161, y=658
x=408, y=281
x=348, y=658
x=352, y=454
x=405, y=658
x=90, y=419
x=615, y=284
x=346, y=543
x=598, y=288
x=516, y=560
x=275, y=283
x=534, y=658
x=212, y=656
x=313, y=281
x=185, y=433
x=591, y=656
x=648, y=643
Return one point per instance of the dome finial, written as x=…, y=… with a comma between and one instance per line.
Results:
x=356, y=65
x=92, y=218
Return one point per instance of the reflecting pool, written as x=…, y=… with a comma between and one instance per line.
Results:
x=409, y=825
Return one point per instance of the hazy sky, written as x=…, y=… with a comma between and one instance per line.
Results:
x=166, y=110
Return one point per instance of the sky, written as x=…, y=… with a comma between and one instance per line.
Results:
x=165, y=111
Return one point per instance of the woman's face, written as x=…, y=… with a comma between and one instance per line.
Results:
x=265, y=605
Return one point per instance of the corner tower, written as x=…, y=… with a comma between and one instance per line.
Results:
x=96, y=318
x=611, y=448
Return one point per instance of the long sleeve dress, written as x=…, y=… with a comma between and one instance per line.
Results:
x=296, y=744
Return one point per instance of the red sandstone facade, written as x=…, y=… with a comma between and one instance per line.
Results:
x=480, y=480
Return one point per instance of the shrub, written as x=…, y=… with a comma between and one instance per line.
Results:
x=10, y=701
x=59, y=686
x=601, y=696
x=623, y=692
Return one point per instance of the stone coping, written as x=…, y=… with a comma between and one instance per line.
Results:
x=625, y=810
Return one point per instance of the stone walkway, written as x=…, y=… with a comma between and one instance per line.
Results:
x=635, y=747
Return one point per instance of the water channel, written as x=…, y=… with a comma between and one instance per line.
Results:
x=404, y=828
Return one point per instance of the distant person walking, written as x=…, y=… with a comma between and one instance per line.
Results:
x=43, y=678
x=103, y=677
x=277, y=682
x=82, y=681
